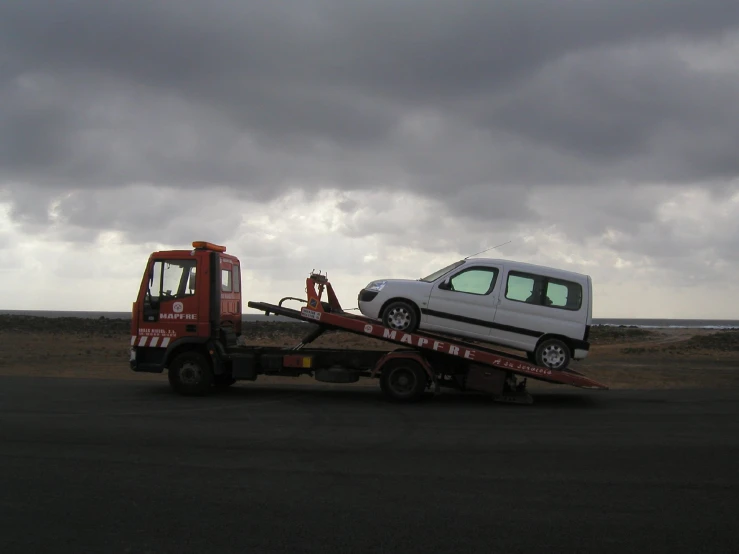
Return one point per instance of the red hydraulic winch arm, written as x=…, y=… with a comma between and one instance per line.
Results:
x=314, y=287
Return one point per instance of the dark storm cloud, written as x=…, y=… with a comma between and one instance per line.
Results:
x=472, y=103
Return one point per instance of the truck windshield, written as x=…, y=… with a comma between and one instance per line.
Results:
x=436, y=274
x=172, y=279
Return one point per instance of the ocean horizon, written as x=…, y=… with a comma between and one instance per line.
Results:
x=252, y=318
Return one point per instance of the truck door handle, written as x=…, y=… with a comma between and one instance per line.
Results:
x=190, y=328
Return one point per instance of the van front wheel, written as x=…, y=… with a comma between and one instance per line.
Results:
x=400, y=316
x=552, y=353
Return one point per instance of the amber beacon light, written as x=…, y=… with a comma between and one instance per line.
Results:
x=201, y=244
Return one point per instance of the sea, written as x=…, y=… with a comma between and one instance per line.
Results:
x=614, y=322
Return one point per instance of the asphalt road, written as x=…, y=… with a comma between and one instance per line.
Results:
x=119, y=466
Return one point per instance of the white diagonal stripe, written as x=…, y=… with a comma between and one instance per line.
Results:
x=154, y=342
x=165, y=342
x=133, y=340
x=142, y=342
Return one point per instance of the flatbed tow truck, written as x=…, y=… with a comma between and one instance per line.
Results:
x=187, y=320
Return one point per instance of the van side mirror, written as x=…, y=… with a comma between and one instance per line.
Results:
x=446, y=284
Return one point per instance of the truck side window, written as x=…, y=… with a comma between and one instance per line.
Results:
x=226, y=283
x=236, y=279
x=192, y=279
x=155, y=283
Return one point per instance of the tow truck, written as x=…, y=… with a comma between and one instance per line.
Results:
x=187, y=320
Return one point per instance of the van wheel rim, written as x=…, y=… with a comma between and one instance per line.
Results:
x=190, y=373
x=553, y=356
x=399, y=318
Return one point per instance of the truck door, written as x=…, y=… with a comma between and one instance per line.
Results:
x=230, y=278
x=170, y=303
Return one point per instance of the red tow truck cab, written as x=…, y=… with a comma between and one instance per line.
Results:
x=185, y=297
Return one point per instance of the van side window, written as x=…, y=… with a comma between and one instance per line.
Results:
x=543, y=291
x=519, y=287
x=564, y=294
x=478, y=280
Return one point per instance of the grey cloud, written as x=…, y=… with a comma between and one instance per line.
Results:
x=143, y=215
x=697, y=244
x=585, y=213
x=34, y=136
x=119, y=134
x=30, y=206
x=639, y=111
x=474, y=104
x=403, y=45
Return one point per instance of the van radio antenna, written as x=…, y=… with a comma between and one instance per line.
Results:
x=481, y=251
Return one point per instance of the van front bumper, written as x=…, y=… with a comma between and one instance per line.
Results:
x=367, y=307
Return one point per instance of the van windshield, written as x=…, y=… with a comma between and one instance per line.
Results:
x=436, y=274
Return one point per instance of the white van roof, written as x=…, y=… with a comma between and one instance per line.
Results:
x=553, y=271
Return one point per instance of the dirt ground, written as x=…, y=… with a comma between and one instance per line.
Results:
x=620, y=357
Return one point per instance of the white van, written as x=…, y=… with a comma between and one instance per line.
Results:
x=543, y=311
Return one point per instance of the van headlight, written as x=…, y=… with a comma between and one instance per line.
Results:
x=376, y=286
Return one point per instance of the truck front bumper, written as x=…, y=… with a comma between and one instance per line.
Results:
x=139, y=367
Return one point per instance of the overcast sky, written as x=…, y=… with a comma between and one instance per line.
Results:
x=371, y=139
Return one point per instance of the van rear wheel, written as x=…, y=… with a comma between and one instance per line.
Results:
x=552, y=353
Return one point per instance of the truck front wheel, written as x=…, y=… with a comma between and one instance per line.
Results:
x=190, y=374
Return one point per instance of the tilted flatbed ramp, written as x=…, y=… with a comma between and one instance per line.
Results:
x=329, y=315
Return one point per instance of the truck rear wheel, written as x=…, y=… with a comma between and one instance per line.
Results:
x=403, y=380
x=190, y=374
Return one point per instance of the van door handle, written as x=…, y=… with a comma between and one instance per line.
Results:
x=191, y=328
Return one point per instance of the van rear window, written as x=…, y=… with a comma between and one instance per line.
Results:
x=543, y=291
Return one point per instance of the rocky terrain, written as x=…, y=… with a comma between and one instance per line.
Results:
x=619, y=357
